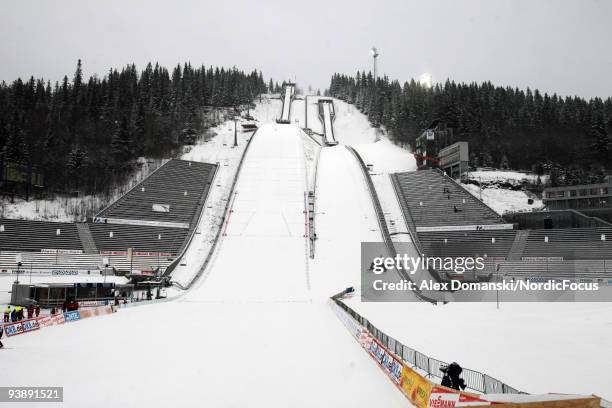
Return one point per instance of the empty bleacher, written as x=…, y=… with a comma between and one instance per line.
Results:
x=570, y=243
x=156, y=238
x=73, y=264
x=430, y=198
x=179, y=184
x=24, y=235
x=138, y=237
x=495, y=243
x=39, y=261
x=576, y=269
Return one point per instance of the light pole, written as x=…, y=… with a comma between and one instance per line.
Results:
x=106, y=263
x=374, y=52
x=18, y=261
x=235, y=131
x=18, y=266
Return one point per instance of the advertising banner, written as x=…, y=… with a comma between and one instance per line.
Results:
x=484, y=227
x=51, y=320
x=92, y=303
x=136, y=253
x=419, y=390
x=72, y=316
x=415, y=387
x=392, y=365
x=442, y=397
x=21, y=327
x=61, y=251
x=48, y=271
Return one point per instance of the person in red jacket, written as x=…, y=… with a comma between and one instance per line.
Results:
x=30, y=311
x=72, y=305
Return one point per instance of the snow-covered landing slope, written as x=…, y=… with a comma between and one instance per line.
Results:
x=219, y=149
x=345, y=218
x=262, y=254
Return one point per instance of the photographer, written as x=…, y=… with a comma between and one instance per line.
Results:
x=451, y=377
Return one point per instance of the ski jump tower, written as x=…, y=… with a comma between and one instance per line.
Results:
x=288, y=95
x=327, y=115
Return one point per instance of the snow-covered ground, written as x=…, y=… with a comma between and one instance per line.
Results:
x=503, y=200
x=509, y=176
x=351, y=126
x=535, y=347
x=538, y=348
x=385, y=157
x=257, y=329
x=71, y=209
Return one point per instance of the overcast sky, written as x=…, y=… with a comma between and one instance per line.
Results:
x=554, y=45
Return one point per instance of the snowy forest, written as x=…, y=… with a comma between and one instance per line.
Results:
x=566, y=137
x=86, y=134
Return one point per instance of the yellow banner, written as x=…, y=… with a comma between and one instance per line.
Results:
x=416, y=388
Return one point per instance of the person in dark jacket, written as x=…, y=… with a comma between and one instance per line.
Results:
x=30, y=310
x=451, y=377
x=7, y=314
x=37, y=311
x=1, y=333
x=14, y=315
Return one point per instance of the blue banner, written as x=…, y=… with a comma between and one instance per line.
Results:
x=72, y=316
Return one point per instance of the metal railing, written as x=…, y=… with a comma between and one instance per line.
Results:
x=225, y=212
x=430, y=366
x=382, y=223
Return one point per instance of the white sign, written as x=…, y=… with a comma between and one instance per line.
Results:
x=165, y=208
x=61, y=251
x=147, y=222
x=485, y=227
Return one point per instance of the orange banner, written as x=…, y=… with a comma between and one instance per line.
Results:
x=416, y=388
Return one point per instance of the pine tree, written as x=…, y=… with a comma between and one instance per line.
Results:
x=15, y=149
x=76, y=161
x=121, y=146
x=601, y=144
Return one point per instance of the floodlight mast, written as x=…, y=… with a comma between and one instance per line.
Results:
x=374, y=52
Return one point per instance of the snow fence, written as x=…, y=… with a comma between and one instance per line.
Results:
x=410, y=371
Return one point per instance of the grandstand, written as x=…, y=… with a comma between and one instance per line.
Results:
x=59, y=264
x=173, y=196
x=495, y=243
x=145, y=230
x=447, y=221
x=432, y=199
x=570, y=243
x=41, y=262
x=118, y=237
x=24, y=235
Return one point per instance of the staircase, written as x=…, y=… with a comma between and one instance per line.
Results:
x=518, y=246
x=89, y=246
